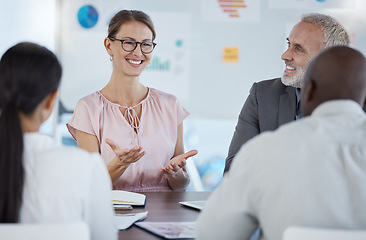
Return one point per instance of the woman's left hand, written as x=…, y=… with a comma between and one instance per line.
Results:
x=178, y=162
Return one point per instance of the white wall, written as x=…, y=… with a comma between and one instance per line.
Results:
x=213, y=89
x=27, y=20
x=216, y=89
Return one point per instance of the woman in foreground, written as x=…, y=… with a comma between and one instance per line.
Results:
x=40, y=181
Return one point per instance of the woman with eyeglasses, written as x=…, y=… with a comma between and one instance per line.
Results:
x=40, y=181
x=138, y=130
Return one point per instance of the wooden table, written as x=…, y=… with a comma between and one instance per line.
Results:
x=163, y=207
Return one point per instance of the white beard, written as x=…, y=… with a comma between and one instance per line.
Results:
x=295, y=81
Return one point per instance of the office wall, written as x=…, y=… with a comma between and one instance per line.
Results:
x=34, y=21
x=27, y=20
x=192, y=38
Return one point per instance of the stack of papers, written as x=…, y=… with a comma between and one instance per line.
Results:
x=121, y=208
x=124, y=200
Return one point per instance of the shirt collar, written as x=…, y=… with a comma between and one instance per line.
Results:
x=337, y=106
x=297, y=96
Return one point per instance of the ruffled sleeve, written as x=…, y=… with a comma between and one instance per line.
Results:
x=170, y=106
x=85, y=117
x=182, y=113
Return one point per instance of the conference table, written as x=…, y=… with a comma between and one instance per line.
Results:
x=163, y=207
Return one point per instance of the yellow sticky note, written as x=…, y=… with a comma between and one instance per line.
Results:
x=231, y=55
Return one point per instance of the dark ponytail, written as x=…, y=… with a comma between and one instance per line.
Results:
x=28, y=73
x=11, y=167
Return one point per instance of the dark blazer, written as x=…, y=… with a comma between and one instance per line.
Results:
x=269, y=105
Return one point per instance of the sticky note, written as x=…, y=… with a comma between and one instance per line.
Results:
x=230, y=55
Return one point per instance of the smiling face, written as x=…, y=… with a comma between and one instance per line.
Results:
x=304, y=43
x=130, y=63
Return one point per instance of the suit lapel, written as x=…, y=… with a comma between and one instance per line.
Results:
x=287, y=106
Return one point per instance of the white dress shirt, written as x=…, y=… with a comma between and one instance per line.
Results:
x=311, y=172
x=66, y=184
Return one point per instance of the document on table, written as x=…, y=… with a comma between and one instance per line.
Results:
x=170, y=230
x=124, y=221
x=194, y=204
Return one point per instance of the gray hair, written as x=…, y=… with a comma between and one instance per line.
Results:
x=334, y=32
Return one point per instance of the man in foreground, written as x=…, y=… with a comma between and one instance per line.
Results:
x=313, y=171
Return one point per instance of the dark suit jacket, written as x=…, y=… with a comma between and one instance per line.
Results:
x=269, y=105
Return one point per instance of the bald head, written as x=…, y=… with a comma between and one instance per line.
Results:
x=335, y=73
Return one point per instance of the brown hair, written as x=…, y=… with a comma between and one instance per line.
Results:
x=125, y=16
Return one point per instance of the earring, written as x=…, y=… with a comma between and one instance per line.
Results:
x=110, y=58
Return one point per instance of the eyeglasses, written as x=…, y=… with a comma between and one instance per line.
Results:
x=130, y=45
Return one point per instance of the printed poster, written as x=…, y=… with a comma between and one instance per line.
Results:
x=231, y=10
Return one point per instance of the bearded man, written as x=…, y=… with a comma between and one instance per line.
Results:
x=274, y=102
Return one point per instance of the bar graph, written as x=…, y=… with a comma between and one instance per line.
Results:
x=231, y=7
x=159, y=65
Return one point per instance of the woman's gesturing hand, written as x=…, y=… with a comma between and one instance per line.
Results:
x=178, y=162
x=126, y=156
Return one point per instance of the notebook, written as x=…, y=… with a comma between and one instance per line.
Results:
x=129, y=198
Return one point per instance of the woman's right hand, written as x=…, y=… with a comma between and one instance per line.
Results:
x=123, y=158
x=126, y=156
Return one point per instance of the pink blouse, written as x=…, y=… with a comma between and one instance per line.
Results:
x=161, y=113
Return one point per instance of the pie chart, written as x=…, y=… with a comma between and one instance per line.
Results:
x=87, y=16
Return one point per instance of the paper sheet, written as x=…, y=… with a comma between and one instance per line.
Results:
x=170, y=230
x=124, y=221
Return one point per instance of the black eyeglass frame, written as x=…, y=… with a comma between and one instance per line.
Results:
x=123, y=40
